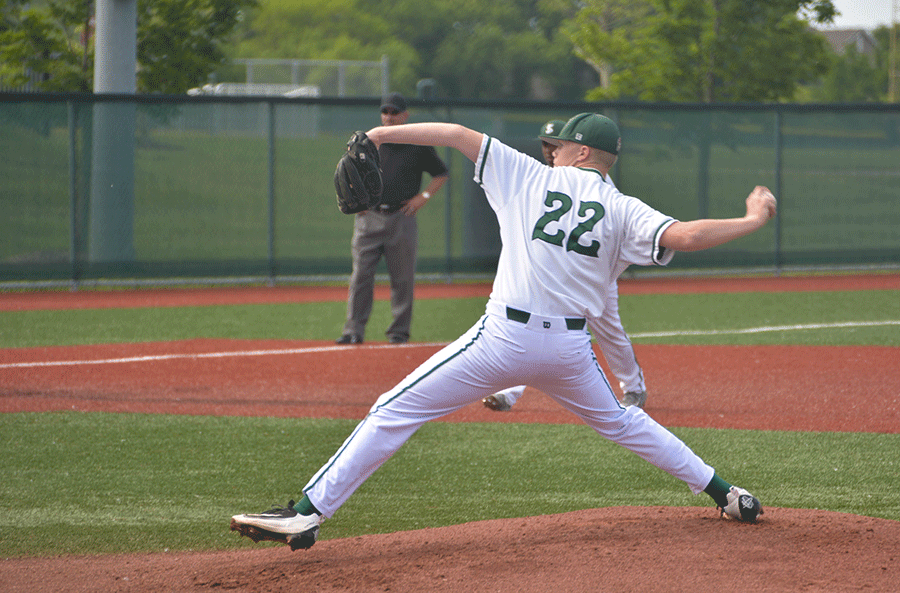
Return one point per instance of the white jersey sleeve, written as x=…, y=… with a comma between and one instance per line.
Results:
x=643, y=228
x=566, y=233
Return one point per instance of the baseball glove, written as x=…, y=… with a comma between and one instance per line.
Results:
x=742, y=505
x=357, y=179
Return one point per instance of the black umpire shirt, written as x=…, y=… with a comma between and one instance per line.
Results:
x=402, y=166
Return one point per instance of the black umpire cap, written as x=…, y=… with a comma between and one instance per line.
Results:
x=394, y=101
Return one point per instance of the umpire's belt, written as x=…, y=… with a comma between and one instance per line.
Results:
x=538, y=322
x=388, y=208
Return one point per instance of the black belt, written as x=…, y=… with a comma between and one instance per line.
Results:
x=388, y=208
x=572, y=323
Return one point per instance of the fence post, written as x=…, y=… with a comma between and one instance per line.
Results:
x=112, y=178
x=780, y=197
x=448, y=209
x=73, y=199
x=271, y=174
x=704, y=152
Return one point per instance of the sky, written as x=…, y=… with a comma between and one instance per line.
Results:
x=862, y=14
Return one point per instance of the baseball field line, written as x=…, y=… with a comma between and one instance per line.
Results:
x=235, y=353
x=317, y=349
x=764, y=329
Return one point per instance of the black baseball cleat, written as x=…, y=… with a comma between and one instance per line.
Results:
x=349, y=339
x=280, y=524
x=742, y=506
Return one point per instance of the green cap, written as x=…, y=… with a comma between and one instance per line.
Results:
x=590, y=129
x=552, y=127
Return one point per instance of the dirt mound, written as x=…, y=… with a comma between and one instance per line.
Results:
x=641, y=549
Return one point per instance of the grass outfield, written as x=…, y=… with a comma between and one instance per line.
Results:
x=103, y=483
x=79, y=483
x=444, y=320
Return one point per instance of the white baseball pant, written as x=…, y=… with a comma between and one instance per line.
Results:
x=495, y=353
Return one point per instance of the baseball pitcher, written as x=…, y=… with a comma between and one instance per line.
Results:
x=566, y=235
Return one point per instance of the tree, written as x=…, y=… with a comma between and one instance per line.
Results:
x=492, y=50
x=46, y=43
x=179, y=42
x=886, y=44
x=472, y=48
x=852, y=78
x=335, y=30
x=701, y=50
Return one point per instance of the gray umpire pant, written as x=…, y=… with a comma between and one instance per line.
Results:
x=396, y=237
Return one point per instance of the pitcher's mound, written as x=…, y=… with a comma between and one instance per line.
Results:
x=640, y=549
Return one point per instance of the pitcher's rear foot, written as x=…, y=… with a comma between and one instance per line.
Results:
x=634, y=398
x=497, y=402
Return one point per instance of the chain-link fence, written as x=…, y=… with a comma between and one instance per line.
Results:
x=124, y=188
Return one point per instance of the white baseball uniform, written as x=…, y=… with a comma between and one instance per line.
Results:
x=614, y=343
x=566, y=237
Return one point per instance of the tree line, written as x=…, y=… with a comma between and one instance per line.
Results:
x=648, y=50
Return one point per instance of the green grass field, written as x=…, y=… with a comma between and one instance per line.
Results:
x=77, y=483
x=83, y=483
x=444, y=320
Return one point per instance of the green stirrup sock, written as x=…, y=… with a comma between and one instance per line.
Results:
x=305, y=507
x=718, y=489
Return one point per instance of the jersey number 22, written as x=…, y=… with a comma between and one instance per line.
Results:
x=596, y=211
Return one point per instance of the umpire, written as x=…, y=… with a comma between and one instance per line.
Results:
x=391, y=230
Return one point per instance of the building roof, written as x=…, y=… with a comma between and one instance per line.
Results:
x=841, y=39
